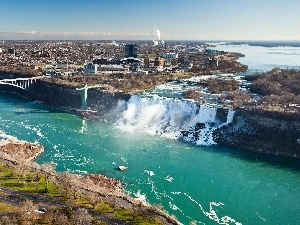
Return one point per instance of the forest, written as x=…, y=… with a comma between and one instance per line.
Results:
x=277, y=88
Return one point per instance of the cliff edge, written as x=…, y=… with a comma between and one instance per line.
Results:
x=262, y=132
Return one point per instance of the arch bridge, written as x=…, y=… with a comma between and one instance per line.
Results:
x=23, y=83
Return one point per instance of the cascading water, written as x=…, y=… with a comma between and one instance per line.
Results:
x=172, y=118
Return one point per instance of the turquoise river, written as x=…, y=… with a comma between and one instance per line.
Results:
x=207, y=184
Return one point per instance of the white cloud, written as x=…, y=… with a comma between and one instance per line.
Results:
x=39, y=35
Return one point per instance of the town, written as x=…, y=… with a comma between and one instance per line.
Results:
x=61, y=58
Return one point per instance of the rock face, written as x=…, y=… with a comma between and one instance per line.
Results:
x=55, y=95
x=17, y=149
x=62, y=96
x=262, y=132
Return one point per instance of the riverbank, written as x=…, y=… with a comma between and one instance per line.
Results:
x=93, y=186
x=18, y=149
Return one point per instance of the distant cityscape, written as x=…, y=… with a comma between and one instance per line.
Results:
x=61, y=58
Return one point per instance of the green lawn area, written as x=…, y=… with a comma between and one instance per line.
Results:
x=35, y=183
x=4, y=207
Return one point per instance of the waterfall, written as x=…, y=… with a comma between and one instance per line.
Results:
x=172, y=118
x=230, y=115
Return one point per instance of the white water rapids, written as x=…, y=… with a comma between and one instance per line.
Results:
x=172, y=118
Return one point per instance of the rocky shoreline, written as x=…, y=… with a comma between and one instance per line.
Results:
x=19, y=149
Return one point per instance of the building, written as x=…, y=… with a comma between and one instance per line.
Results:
x=146, y=62
x=170, y=58
x=130, y=51
x=111, y=69
x=159, y=64
x=90, y=68
x=11, y=51
x=170, y=55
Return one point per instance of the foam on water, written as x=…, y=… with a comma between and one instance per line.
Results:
x=141, y=197
x=212, y=213
x=169, y=178
x=171, y=118
x=150, y=173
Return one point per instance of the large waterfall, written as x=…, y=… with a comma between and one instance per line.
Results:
x=172, y=118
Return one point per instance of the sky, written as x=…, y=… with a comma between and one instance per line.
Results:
x=137, y=19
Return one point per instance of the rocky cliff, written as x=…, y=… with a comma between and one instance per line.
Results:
x=262, y=132
x=103, y=105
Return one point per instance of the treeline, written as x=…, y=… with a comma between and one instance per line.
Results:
x=28, y=214
x=226, y=89
x=128, y=83
x=19, y=71
x=217, y=85
x=277, y=87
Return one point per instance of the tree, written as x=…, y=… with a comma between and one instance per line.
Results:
x=47, y=169
x=5, y=220
x=93, y=199
x=27, y=212
x=21, y=167
x=60, y=219
x=82, y=217
x=136, y=208
x=36, y=175
x=66, y=178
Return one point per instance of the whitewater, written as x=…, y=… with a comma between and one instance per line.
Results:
x=172, y=118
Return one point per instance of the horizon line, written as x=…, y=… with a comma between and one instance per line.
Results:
x=165, y=40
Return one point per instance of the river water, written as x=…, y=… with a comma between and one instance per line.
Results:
x=194, y=181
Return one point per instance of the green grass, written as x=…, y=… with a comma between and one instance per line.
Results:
x=5, y=207
x=9, y=179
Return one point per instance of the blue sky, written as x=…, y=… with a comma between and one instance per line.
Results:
x=136, y=19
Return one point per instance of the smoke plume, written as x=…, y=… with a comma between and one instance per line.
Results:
x=156, y=37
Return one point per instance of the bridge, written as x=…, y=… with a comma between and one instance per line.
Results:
x=23, y=83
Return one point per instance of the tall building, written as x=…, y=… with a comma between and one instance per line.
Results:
x=130, y=51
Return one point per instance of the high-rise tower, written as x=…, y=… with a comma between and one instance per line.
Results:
x=131, y=51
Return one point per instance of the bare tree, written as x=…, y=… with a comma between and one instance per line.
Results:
x=47, y=169
x=36, y=173
x=82, y=217
x=136, y=208
x=5, y=220
x=93, y=199
x=66, y=178
x=60, y=219
x=21, y=167
x=27, y=212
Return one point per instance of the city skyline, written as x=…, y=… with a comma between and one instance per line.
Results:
x=138, y=20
